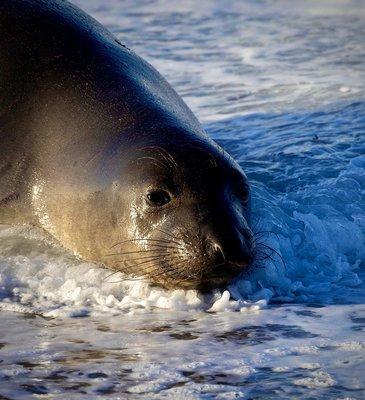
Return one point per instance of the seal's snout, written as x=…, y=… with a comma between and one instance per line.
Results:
x=227, y=255
x=232, y=249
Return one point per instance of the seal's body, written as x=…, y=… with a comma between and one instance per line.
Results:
x=100, y=151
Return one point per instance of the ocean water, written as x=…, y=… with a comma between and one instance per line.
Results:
x=281, y=86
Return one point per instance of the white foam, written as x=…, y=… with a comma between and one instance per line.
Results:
x=52, y=282
x=319, y=379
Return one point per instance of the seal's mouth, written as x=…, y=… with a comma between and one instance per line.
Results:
x=220, y=276
x=171, y=264
x=216, y=278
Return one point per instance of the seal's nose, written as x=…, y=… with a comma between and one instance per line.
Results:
x=232, y=248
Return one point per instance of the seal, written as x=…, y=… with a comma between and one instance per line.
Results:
x=101, y=152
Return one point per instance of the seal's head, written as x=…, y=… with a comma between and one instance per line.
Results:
x=176, y=213
x=186, y=219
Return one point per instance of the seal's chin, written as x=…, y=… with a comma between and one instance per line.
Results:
x=217, y=278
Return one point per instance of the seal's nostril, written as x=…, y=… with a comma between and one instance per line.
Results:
x=218, y=254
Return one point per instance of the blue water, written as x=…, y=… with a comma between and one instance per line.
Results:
x=281, y=86
x=308, y=173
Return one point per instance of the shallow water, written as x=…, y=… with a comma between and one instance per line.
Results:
x=282, y=88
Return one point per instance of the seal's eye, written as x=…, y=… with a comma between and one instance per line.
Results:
x=158, y=198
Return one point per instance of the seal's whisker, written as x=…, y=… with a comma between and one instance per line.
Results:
x=168, y=157
x=150, y=242
x=171, y=163
x=262, y=256
x=155, y=269
x=155, y=246
x=273, y=251
x=108, y=276
x=134, y=279
x=156, y=162
x=154, y=250
x=155, y=259
x=211, y=158
x=145, y=240
x=134, y=266
x=255, y=224
x=161, y=257
x=131, y=252
x=261, y=234
x=149, y=259
x=124, y=271
x=132, y=263
x=173, y=268
x=145, y=257
x=167, y=233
